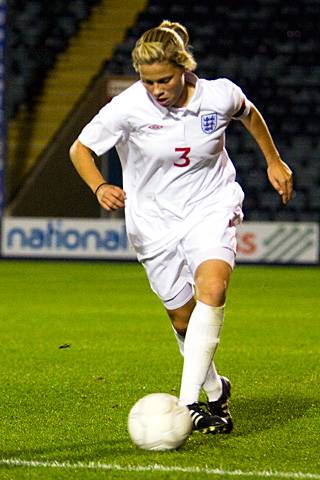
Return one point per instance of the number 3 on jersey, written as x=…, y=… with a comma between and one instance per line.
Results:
x=184, y=160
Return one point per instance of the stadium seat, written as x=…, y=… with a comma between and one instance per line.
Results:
x=271, y=51
x=37, y=32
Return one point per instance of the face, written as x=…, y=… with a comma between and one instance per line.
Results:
x=166, y=83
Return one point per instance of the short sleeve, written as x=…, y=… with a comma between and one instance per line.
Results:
x=238, y=106
x=106, y=129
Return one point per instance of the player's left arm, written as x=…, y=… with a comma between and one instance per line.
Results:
x=279, y=174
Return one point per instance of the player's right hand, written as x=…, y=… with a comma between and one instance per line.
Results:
x=111, y=197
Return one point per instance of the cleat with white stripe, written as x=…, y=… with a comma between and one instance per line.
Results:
x=205, y=422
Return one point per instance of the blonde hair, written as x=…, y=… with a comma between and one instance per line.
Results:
x=167, y=43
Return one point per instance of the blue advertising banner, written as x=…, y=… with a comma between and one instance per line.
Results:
x=258, y=242
x=3, y=15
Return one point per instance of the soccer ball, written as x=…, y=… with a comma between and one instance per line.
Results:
x=158, y=422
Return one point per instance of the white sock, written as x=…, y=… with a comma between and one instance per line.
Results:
x=212, y=385
x=200, y=344
x=180, y=340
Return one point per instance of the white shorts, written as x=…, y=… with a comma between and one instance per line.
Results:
x=171, y=272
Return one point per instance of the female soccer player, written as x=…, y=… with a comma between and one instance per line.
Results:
x=182, y=203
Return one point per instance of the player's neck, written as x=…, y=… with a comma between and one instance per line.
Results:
x=186, y=95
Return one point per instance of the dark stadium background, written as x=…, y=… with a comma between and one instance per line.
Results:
x=269, y=47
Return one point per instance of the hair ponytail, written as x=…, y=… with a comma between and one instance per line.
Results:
x=178, y=28
x=167, y=43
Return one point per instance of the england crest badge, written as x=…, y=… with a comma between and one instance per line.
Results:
x=209, y=122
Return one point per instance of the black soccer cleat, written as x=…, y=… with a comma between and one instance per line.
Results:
x=205, y=422
x=220, y=407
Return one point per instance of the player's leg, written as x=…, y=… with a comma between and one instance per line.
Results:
x=212, y=280
x=173, y=287
x=180, y=317
x=203, y=333
x=210, y=250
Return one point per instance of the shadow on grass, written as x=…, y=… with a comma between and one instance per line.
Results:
x=260, y=414
x=251, y=415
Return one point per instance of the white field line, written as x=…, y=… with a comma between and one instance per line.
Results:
x=15, y=462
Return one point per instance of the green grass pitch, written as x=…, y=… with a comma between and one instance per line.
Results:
x=81, y=342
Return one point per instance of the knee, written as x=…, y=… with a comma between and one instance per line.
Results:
x=212, y=291
x=212, y=278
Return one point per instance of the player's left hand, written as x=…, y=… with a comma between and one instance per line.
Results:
x=280, y=176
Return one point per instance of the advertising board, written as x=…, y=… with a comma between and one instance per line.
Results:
x=258, y=242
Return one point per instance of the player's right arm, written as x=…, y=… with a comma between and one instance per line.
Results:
x=110, y=197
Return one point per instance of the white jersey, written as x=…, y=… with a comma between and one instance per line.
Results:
x=174, y=163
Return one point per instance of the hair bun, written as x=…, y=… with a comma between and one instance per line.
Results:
x=166, y=43
x=178, y=28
